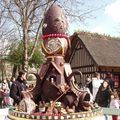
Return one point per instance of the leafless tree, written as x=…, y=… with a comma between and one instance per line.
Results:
x=28, y=17
x=5, y=36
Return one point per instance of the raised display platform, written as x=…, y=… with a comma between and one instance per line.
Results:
x=89, y=115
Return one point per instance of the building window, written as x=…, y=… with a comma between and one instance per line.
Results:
x=116, y=80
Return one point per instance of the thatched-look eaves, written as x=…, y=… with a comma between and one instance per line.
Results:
x=105, y=50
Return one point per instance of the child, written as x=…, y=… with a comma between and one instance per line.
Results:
x=6, y=93
x=114, y=103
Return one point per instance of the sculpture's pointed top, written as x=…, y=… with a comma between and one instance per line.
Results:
x=55, y=21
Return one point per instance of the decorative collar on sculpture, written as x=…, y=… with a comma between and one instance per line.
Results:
x=44, y=37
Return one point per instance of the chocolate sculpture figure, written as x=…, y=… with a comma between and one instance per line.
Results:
x=55, y=81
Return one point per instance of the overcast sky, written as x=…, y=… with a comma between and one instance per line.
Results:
x=106, y=21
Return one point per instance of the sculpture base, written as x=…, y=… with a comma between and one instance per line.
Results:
x=88, y=115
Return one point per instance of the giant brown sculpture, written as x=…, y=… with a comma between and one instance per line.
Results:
x=55, y=81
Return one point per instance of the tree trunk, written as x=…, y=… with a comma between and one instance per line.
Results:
x=25, y=54
x=25, y=65
x=15, y=67
x=3, y=69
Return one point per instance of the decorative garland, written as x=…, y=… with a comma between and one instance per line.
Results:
x=55, y=35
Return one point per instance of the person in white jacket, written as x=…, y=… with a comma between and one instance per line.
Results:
x=96, y=82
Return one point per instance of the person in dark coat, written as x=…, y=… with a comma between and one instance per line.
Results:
x=109, y=77
x=103, y=94
x=17, y=87
x=89, y=84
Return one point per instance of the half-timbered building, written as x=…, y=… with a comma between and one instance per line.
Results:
x=92, y=52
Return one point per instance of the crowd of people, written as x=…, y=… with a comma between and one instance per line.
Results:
x=11, y=90
x=103, y=91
